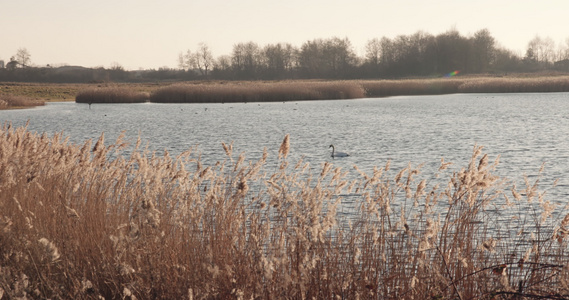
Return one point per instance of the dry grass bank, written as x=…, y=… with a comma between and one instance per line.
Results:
x=11, y=102
x=42, y=91
x=516, y=85
x=111, y=95
x=295, y=90
x=387, y=88
x=223, y=92
x=542, y=84
x=48, y=92
x=75, y=223
x=258, y=92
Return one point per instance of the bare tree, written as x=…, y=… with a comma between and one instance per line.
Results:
x=278, y=59
x=340, y=56
x=483, y=50
x=203, y=59
x=330, y=58
x=541, y=50
x=223, y=62
x=563, y=52
x=387, y=51
x=186, y=61
x=373, y=51
x=23, y=57
x=222, y=67
x=182, y=61
x=245, y=59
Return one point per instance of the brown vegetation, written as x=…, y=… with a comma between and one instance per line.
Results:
x=383, y=88
x=75, y=223
x=111, y=95
x=258, y=92
x=11, y=101
x=326, y=90
x=43, y=91
x=516, y=85
x=386, y=88
x=265, y=91
x=222, y=92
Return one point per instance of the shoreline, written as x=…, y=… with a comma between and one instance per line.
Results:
x=279, y=91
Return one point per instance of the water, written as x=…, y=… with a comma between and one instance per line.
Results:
x=525, y=129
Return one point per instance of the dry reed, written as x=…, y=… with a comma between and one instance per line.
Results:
x=13, y=101
x=386, y=88
x=76, y=223
x=543, y=84
x=516, y=85
x=111, y=95
x=257, y=92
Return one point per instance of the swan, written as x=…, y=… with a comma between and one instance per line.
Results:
x=337, y=154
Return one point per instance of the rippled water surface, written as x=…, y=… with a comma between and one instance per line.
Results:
x=525, y=129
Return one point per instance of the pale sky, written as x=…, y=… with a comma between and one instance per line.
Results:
x=150, y=34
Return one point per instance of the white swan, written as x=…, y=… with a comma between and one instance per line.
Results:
x=337, y=154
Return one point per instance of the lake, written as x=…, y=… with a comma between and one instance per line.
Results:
x=525, y=129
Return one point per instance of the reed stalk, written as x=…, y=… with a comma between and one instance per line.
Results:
x=89, y=220
x=14, y=101
x=111, y=95
x=257, y=92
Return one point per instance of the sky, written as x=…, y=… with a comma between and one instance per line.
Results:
x=150, y=34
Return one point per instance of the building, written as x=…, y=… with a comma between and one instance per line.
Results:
x=1, y=64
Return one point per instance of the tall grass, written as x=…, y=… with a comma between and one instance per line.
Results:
x=13, y=101
x=111, y=95
x=257, y=92
x=386, y=88
x=89, y=221
x=516, y=85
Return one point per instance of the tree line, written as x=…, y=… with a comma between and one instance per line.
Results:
x=418, y=54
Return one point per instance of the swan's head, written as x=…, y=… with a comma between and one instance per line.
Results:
x=331, y=146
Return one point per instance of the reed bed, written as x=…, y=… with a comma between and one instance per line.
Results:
x=257, y=92
x=13, y=101
x=516, y=85
x=541, y=84
x=90, y=221
x=111, y=95
x=387, y=88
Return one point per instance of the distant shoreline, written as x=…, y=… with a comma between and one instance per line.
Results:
x=274, y=91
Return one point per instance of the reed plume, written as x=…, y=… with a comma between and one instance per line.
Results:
x=78, y=222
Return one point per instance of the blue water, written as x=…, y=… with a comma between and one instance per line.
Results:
x=526, y=130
